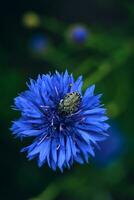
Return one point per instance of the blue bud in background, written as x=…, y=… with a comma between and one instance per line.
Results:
x=112, y=148
x=38, y=43
x=78, y=34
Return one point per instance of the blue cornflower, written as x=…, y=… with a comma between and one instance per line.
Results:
x=38, y=43
x=112, y=148
x=79, y=34
x=65, y=124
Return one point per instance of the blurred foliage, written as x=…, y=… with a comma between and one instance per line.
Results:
x=105, y=58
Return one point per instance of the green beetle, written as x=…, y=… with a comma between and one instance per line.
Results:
x=70, y=103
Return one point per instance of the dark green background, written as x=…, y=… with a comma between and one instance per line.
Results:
x=106, y=59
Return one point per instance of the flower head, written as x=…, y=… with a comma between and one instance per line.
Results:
x=112, y=148
x=65, y=124
x=38, y=44
x=31, y=19
x=78, y=34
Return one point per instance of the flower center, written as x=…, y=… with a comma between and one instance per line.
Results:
x=70, y=103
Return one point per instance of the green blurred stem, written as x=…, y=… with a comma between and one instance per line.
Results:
x=117, y=106
x=63, y=184
x=103, y=42
x=117, y=60
x=51, y=192
x=53, y=25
